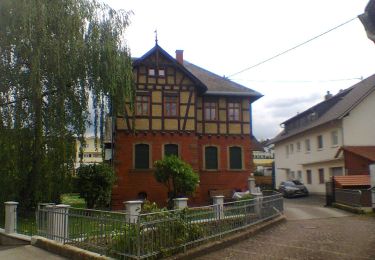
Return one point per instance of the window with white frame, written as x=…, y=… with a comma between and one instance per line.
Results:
x=298, y=146
x=319, y=140
x=334, y=138
x=307, y=145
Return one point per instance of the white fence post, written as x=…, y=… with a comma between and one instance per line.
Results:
x=180, y=203
x=251, y=184
x=372, y=184
x=10, y=217
x=58, y=222
x=218, y=202
x=132, y=210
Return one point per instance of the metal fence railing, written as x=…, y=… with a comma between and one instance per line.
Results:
x=348, y=197
x=121, y=235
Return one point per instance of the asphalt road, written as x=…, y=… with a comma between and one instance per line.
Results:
x=311, y=231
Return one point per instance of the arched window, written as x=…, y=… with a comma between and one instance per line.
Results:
x=142, y=156
x=171, y=149
x=211, y=157
x=235, y=158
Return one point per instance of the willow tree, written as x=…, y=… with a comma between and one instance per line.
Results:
x=53, y=56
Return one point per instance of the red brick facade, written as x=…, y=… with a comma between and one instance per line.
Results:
x=131, y=182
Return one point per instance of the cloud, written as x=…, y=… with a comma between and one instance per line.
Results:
x=293, y=101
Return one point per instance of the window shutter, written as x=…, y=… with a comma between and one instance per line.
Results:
x=171, y=149
x=235, y=158
x=211, y=158
x=142, y=156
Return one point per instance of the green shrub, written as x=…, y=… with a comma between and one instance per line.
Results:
x=178, y=176
x=95, y=184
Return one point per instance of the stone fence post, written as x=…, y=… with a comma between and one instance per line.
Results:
x=58, y=222
x=132, y=210
x=180, y=203
x=218, y=202
x=251, y=184
x=10, y=217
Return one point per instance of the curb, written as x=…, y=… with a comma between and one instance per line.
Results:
x=68, y=251
x=227, y=241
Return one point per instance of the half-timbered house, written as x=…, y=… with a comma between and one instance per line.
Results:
x=185, y=110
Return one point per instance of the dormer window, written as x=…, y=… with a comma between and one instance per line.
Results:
x=151, y=72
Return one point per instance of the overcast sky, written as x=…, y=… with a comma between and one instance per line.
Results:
x=228, y=36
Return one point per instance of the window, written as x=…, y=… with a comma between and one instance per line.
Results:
x=320, y=142
x=171, y=149
x=308, y=177
x=291, y=148
x=334, y=138
x=161, y=72
x=298, y=146
x=151, y=72
x=299, y=173
x=211, y=157
x=336, y=171
x=142, y=156
x=235, y=158
x=321, y=176
x=234, y=111
x=142, y=105
x=307, y=145
x=287, y=150
x=210, y=110
x=171, y=105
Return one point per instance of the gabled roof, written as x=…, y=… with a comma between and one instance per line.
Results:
x=158, y=49
x=217, y=85
x=256, y=145
x=367, y=152
x=352, y=180
x=335, y=108
x=209, y=83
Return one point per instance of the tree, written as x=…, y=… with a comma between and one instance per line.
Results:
x=95, y=184
x=178, y=176
x=53, y=55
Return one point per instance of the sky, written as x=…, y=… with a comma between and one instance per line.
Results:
x=226, y=37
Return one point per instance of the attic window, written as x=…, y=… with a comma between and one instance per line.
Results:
x=161, y=72
x=151, y=72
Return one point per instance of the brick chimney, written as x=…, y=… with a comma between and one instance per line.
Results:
x=180, y=56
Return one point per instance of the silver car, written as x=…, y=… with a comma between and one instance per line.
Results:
x=293, y=188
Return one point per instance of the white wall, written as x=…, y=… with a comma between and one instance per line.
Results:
x=313, y=160
x=359, y=125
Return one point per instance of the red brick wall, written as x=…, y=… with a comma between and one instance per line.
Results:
x=356, y=165
x=131, y=182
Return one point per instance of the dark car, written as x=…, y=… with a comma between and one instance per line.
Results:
x=293, y=188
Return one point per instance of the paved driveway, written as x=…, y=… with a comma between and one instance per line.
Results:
x=311, y=232
x=26, y=253
x=311, y=207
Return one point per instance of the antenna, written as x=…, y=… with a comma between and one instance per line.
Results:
x=156, y=37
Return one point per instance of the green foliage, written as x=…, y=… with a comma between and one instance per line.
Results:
x=54, y=54
x=246, y=197
x=73, y=200
x=95, y=182
x=178, y=176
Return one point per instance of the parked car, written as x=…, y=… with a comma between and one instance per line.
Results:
x=293, y=188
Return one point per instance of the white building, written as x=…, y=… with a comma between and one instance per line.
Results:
x=307, y=148
x=91, y=151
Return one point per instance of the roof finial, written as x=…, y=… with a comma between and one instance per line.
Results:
x=156, y=37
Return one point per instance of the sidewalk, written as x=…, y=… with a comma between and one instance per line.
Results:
x=26, y=253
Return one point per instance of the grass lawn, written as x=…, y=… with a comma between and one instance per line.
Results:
x=73, y=200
